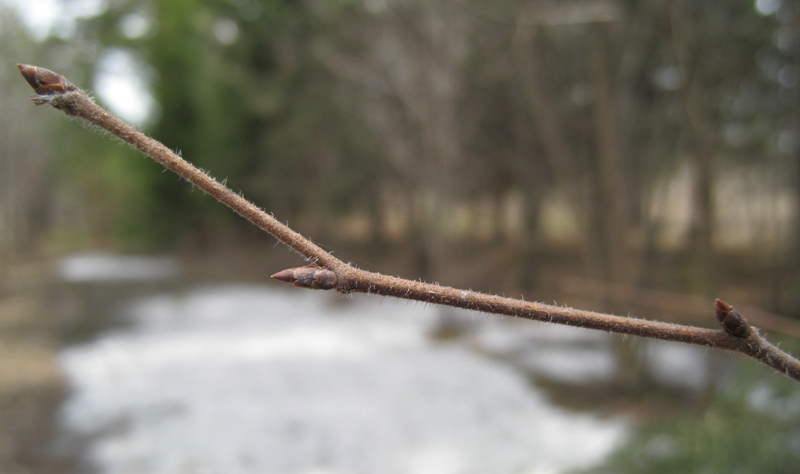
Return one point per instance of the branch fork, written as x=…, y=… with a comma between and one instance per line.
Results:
x=329, y=273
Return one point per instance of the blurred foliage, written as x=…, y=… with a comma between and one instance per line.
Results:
x=753, y=425
x=240, y=96
x=28, y=181
x=448, y=121
x=446, y=117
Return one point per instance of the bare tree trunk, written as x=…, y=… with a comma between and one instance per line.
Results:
x=702, y=236
x=550, y=130
x=612, y=220
x=549, y=126
x=610, y=217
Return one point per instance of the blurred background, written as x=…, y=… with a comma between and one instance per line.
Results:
x=639, y=158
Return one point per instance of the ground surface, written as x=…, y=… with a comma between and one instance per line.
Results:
x=31, y=384
x=36, y=321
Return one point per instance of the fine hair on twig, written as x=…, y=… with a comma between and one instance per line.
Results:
x=329, y=273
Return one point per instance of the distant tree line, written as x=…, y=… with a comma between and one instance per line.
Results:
x=436, y=122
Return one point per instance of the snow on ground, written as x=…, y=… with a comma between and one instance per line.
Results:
x=250, y=379
x=562, y=353
x=104, y=267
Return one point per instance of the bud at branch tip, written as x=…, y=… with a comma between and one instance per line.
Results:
x=45, y=81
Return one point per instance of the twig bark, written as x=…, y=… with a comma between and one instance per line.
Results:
x=685, y=308
x=328, y=272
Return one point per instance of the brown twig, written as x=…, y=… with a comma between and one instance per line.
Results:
x=684, y=308
x=328, y=272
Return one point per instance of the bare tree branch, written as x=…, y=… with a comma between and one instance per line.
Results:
x=329, y=272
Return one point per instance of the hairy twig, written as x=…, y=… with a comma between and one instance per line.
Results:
x=328, y=272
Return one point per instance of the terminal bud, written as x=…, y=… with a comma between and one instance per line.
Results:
x=45, y=81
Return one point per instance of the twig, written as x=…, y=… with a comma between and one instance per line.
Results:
x=685, y=308
x=329, y=272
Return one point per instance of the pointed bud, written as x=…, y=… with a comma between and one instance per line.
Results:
x=731, y=320
x=286, y=276
x=45, y=81
x=308, y=277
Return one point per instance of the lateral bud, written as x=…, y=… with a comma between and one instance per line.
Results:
x=312, y=277
x=731, y=320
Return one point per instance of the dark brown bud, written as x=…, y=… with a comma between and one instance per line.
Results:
x=731, y=320
x=308, y=277
x=45, y=81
